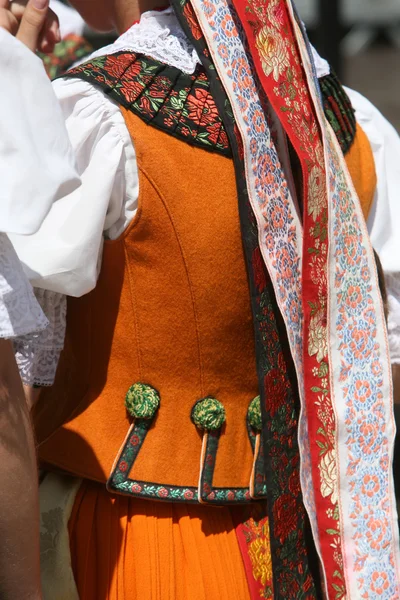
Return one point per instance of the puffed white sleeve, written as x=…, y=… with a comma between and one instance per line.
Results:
x=37, y=164
x=384, y=219
x=64, y=256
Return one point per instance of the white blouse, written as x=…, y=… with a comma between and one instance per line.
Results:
x=36, y=167
x=65, y=254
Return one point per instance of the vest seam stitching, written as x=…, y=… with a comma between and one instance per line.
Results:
x=192, y=295
x=135, y=318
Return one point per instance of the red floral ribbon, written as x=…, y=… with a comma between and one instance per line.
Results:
x=278, y=63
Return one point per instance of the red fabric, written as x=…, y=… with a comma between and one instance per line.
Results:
x=253, y=538
x=277, y=59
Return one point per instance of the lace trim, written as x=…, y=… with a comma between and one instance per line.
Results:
x=37, y=354
x=159, y=36
x=37, y=366
x=20, y=313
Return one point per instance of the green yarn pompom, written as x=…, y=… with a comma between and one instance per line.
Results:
x=254, y=414
x=208, y=414
x=142, y=401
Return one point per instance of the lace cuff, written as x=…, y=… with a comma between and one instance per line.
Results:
x=37, y=354
x=393, y=291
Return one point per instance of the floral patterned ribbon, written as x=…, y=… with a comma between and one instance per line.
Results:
x=360, y=385
x=326, y=286
x=278, y=64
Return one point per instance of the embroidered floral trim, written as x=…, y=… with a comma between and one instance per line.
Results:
x=210, y=494
x=287, y=520
x=189, y=115
x=254, y=541
x=120, y=482
x=362, y=395
x=367, y=531
x=163, y=96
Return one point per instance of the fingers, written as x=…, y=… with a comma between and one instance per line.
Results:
x=8, y=21
x=50, y=33
x=32, y=23
x=17, y=8
x=31, y=19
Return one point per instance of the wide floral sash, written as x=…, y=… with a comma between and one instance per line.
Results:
x=360, y=386
x=278, y=64
x=326, y=287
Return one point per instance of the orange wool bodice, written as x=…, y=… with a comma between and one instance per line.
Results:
x=172, y=310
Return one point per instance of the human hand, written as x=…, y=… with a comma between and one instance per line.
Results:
x=32, y=22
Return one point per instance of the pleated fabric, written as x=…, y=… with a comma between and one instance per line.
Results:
x=130, y=549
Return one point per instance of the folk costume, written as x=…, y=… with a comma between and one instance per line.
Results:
x=223, y=401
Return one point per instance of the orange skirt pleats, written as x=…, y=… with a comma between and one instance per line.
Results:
x=129, y=549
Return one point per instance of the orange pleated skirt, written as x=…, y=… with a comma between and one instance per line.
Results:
x=129, y=549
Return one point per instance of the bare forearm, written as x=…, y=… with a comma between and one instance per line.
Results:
x=19, y=511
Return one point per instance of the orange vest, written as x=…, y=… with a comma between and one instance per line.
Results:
x=360, y=162
x=171, y=310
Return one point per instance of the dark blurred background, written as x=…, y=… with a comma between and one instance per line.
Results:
x=361, y=39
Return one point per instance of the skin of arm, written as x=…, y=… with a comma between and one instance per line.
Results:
x=32, y=395
x=19, y=504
